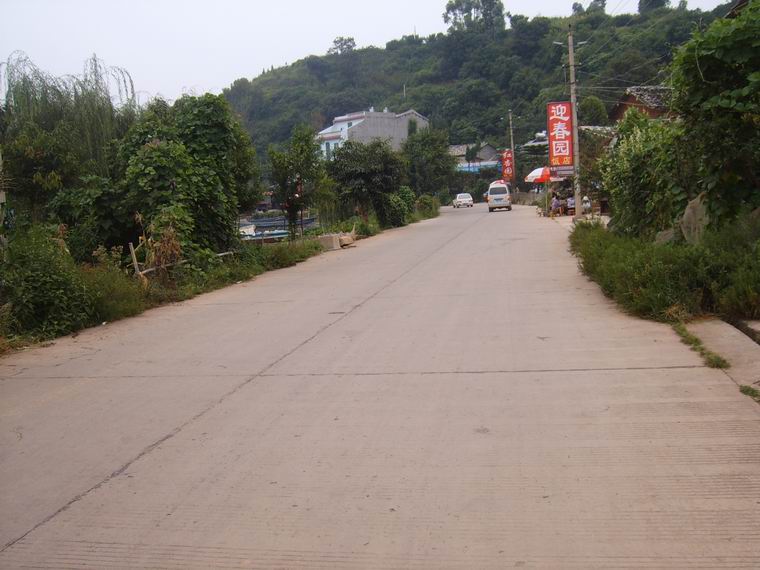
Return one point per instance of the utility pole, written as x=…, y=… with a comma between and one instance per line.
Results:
x=512, y=148
x=573, y=101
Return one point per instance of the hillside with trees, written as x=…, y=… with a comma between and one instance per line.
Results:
x=464, y=80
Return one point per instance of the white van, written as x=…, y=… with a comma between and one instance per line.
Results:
x=498, y=196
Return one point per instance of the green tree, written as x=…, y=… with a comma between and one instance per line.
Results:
x=591, y=111
x=429, y=165
x=342, y=45
x=646, y=6
x=296, y=171
x=649, y=175
x=475, y=15
x=366, y=175
x=55, y=129
x=471, y=153
x=716, y=89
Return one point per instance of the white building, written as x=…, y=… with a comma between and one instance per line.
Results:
x=366, y=126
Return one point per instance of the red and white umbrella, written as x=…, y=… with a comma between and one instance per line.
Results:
x=541, y=175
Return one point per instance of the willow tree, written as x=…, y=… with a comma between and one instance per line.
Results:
x=56, y=129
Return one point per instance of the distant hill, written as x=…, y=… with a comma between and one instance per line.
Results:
x=466, y=79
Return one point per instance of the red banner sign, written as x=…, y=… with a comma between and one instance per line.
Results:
x=559, y=120
x=507, y=165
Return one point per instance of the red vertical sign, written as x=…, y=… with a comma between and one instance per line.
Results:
x=559, y=120
x=507, y=165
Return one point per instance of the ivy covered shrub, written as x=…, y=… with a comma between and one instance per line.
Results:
x=409, y=198
x=709, y=145
x=43, y=286
x=427, y=206
x=394, y=211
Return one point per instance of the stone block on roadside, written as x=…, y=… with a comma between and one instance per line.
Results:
x=665, y=236
x=695, y=220
x=329, y=242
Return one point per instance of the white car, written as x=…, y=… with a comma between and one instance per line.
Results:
x=498, y=196
x=462, y=200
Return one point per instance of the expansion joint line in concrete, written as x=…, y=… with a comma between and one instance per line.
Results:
x=147, y=450
x=479, y=372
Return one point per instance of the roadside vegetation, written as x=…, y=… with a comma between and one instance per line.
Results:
x=88, y=173
x=47, y=294
x=753, y=393
x=710, y=358
x=676, y=281
x=684, y=236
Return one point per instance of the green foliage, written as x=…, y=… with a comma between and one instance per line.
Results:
x=114, y=293
x=342, y=45
x=712, y=148
x=365, y=174
x=674, y=282
x=297, y=171
x=395, y=211
x=594, y=147
x=716, y=82
x=40, y=163
x=94, y=108
x=711, y=359
x=475, y=15
x=591, y=111
x=649, y=176
x=90, y=211
x=279, y=256
x=43, y=286
x=429, y=164
x=192, y=154
x=408, y=197
x=428, y=206
x=753, y=393
x=646, y=6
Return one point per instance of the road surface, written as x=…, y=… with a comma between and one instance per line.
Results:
x=453, y=394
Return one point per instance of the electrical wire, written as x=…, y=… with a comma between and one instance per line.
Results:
x=592, y=59
x=612, y=13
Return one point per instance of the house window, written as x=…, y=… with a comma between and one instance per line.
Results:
x=328, y=152
x=350, y=125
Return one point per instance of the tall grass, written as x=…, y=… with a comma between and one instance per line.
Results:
x=673, y=282
x=44, y=294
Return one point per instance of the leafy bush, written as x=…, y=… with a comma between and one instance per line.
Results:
x=742, y=296
x=428, y=206
x=409, y=198
x=43, y=286
x=445, y=198
x=395, y=211
x=113, y=293
x=673, y=282
x=649, y=175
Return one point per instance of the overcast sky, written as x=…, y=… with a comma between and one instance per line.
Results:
x=172, y=47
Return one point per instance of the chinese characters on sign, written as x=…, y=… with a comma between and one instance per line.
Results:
x=507, y=165
x=560, y=129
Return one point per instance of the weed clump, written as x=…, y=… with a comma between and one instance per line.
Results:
x=676, y=281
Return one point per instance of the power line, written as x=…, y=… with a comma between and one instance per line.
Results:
x=611, y=14
x=605, y=78
x=655, y=21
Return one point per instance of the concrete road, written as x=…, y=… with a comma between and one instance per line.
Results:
x=449, y=395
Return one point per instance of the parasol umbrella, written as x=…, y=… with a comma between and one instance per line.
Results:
x=541, y=175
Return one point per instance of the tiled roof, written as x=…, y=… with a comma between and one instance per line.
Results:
x=653, y=96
